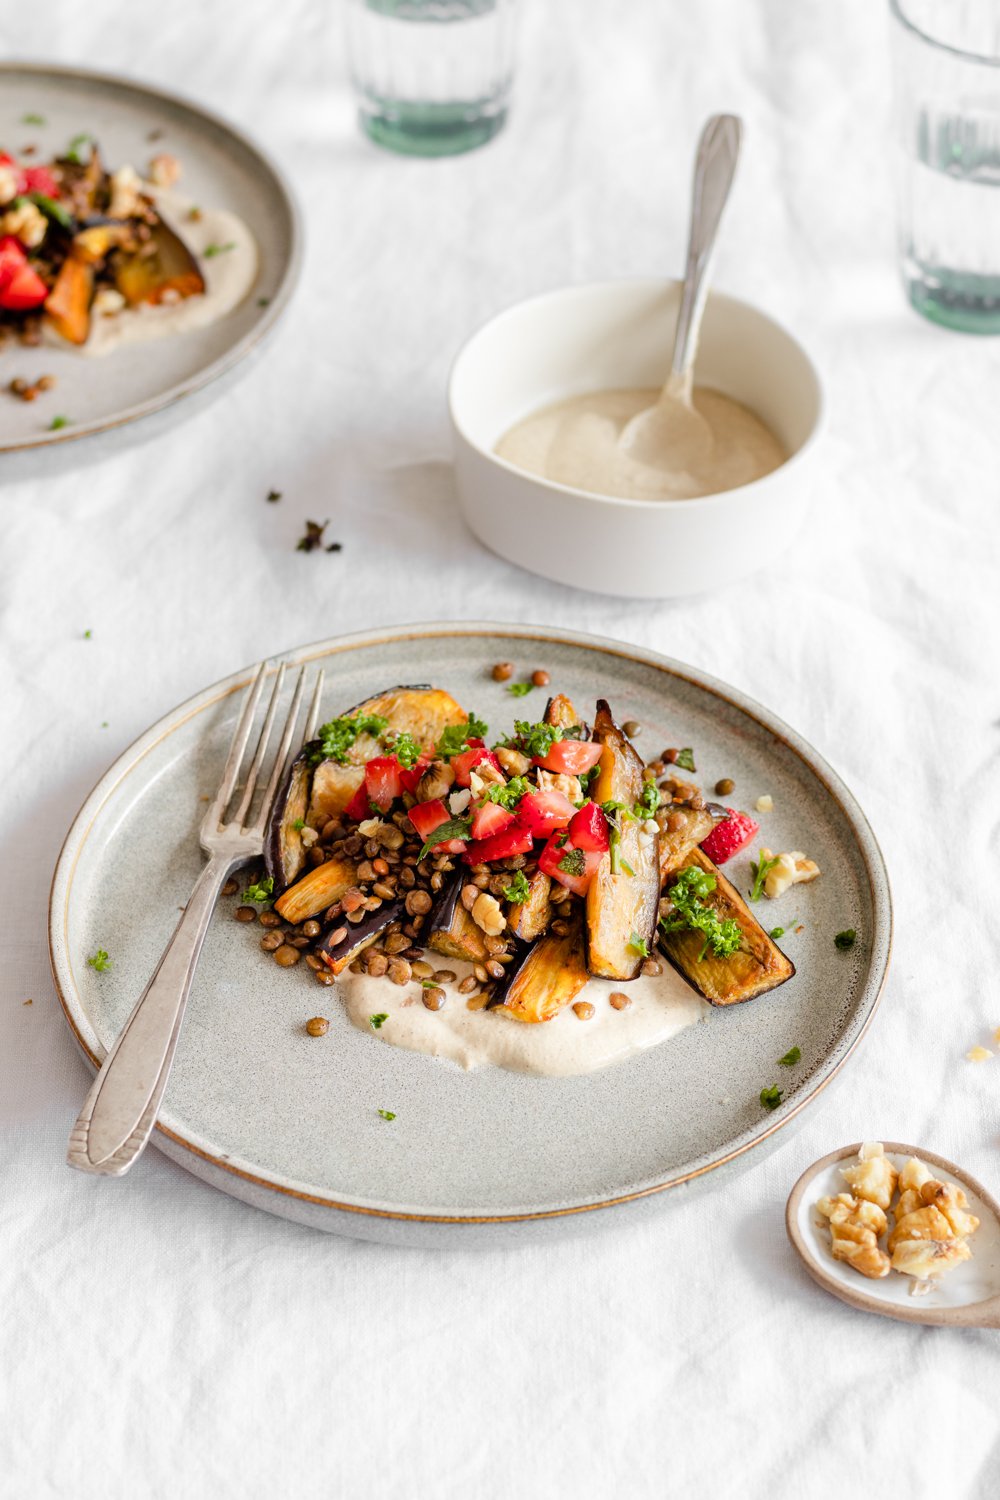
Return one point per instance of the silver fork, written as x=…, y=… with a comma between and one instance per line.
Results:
x=120, y=1111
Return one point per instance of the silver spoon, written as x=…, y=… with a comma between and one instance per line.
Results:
x=966, y=1297
x=672, y=433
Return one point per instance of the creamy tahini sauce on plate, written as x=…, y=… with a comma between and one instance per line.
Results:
x=575, y=443
x=662, y=1005
x=229, y=276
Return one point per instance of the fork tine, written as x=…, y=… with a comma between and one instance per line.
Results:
x=239, y=817
x=213, y=816
x=280, y=759
x=309, y=733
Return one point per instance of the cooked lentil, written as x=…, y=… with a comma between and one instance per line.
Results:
x=318, y=1026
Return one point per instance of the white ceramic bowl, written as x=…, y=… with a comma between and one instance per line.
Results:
x=618, y=334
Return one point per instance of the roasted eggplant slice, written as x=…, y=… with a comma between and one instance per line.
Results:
x=421, y=711
x=623, y=895
x=758, y=965
x=337, y=956
x=549, y=977
x=559, y=710
x=450, y=929
x=528, y=919
x=68, y=303
x=167, y=272
x=691, y=826
x=323, y=885
x=284, y=851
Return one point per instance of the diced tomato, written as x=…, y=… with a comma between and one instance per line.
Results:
x=490, y=819
x=572, y=757
x=464, y=764
x=513, y=840
x=20, y=287
x=410, y=775
x=358, y=809
x=588, y=829
x=541, y=812
x=582, y=864
x=382, y=781
x=38, y=180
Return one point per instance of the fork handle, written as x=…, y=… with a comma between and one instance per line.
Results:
x=120, y=1111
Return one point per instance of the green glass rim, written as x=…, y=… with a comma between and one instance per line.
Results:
x=990, y=60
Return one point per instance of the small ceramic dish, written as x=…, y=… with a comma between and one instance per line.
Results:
x=967, y=1296
x=618, y=334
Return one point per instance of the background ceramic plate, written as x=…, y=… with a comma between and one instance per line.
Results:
x=291, y=1124
x=221, y=168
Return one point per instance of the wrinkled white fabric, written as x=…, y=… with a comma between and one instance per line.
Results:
x=158, y=1339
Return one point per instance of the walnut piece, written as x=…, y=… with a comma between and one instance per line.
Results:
x=793, y=868
x=487, y=914
x=855, y=1225
x=559, y=781
x=872, y=1176
x=26, y=222
x=513, y=762
x=164, y=170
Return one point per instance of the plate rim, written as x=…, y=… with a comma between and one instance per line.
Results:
x=873, y=859
x=25, y=68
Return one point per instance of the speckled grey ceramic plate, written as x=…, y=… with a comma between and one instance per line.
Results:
x=221, y=168
x=290, y=1123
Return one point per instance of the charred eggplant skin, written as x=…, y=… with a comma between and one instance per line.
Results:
x=621, y=907
x=549, y=976
x=758, y=965
x=338, y=955
x=450, y=930
x=284, y=851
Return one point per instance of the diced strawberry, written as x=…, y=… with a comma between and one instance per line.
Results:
x=572, y=867
x=490, y=819
x=588, y=829
x=20, y=287
x=730, y=836
x=382, y=781
x=464, y=764
x=38, y=180
x=541, y=812
x=358, y=809
x=426, y=816
x=513, y=840
x=572, y=757
x=410, y=775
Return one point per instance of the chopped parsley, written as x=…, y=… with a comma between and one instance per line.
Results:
x=519, y=890
x=99, y=961
x=259, y=890
x=776, y=932
x=586, y=777
x=692, y=914
x=573, y=862
x=273, y=496
x=771, y=1098
x=456, y=737
x=638, y=945
x=212, y=250
x=685, y=759
x=454, y=828
x=73, y=149
x=299, y=824
x=263, y=302
x=375, y=1022
x=508, y=793
x=791, y=1057
x=761, y=870
x=33, y=120
x=337, y=738
x=845, y=940
x=521, y=689
x=312, y=539
x=52, y=210
x=536, y=740
x=58, y=422
x=88, y=635
x=386, y=1114
x=406, y=750
x=649, y=801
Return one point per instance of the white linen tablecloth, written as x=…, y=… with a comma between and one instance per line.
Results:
x=158, y=1339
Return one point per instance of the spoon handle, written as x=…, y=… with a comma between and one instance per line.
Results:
x=715, y=167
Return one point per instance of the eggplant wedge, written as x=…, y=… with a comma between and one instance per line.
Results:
x=418, y=710
x=338, y=956
x=323, y=885
x=529, y=919
x=550, y=976
x=166, y=272
x=284, y=851
x=450, y=929
x=624, y=893
x=758, y=965
x=68, y=304
x=692, y=825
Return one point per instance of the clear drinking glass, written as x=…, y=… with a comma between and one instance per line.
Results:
x=432, y=77
x=947, y=70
